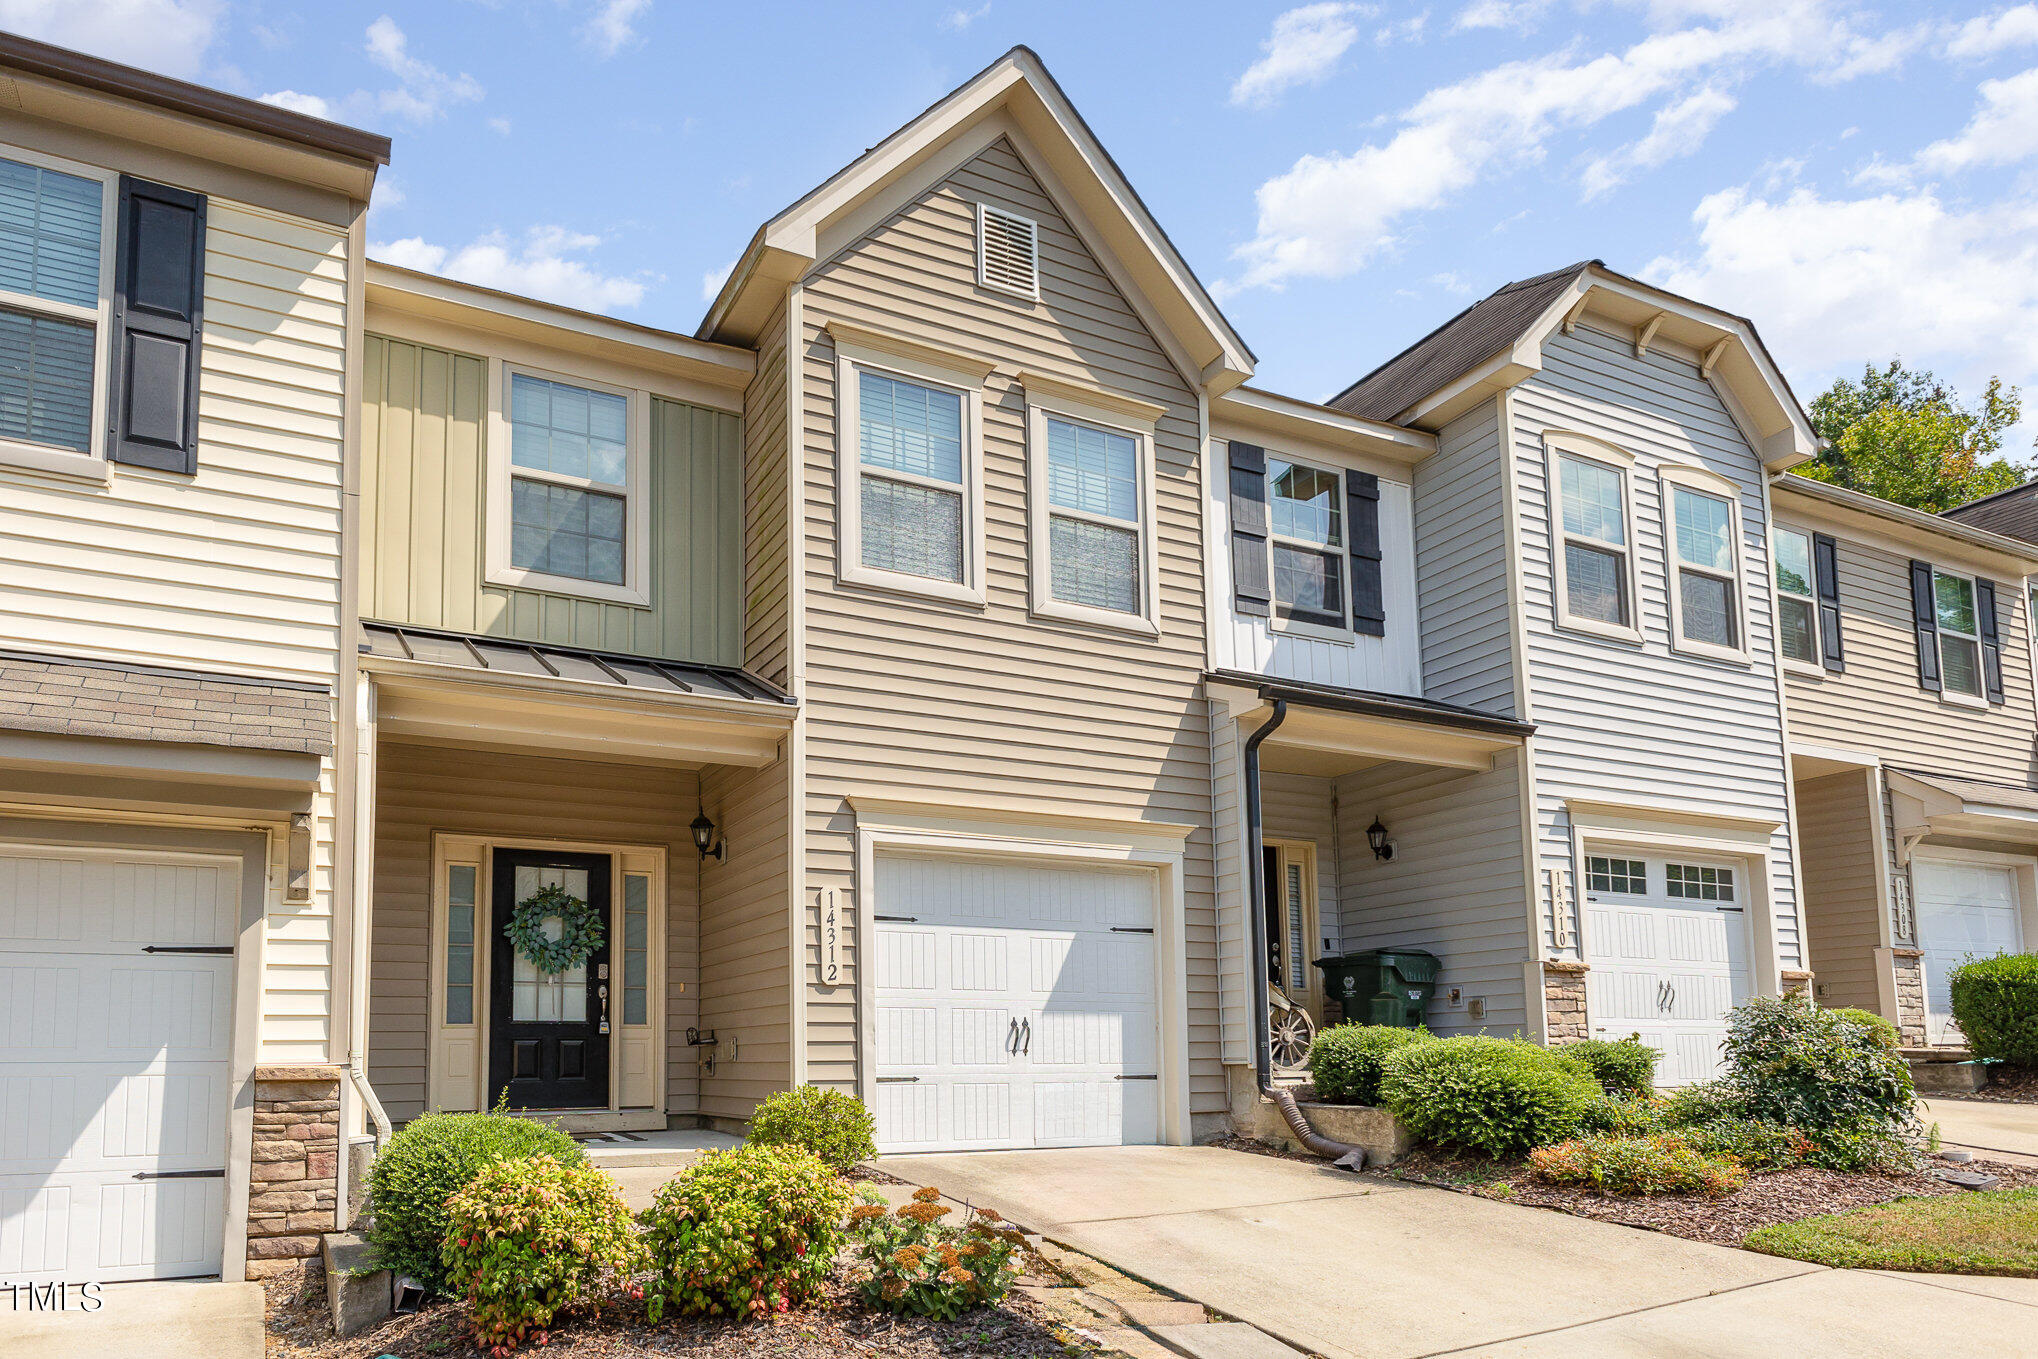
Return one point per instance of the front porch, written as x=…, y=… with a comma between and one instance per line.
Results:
x=647, y=802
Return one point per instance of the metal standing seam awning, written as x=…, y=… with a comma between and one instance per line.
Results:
x=459, y=687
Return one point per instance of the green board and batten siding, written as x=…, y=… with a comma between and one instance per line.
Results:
x=424, y=501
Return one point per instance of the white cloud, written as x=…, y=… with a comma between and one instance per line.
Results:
x=172, y=36
x=1986, y=35
x=1834, y=283
x=541, y=265
x=2003, y=130
x=1302, y=49
x=1410, y=29
x=613, y=25
x=1678, y=130
x=1516, y=14
x=424, y=90
x=309, y=104
x=499, y=126
x=957, y=20
x=1328, y=215
x=713, y=279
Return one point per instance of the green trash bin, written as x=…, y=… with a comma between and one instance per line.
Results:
x=1390, y=986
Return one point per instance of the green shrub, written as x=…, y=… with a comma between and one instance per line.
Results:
x=912, y=1264
x=1627, y=1067
x=1995, y=1002
x=1880, y=1030
x=1755, y=1143
x=1825, y=1075
x=1702, y=1102
x=529, y=1240
x=1344, y=1061
x=1494, y=1095
x=432, y=1159
x=834, y=1126
x=1664, y=1163
x=744, y=1233
x=1614, y=1116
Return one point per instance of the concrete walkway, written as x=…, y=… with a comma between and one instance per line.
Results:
x=1348, y=1266
x=199, y=1319
x=1988, y=1128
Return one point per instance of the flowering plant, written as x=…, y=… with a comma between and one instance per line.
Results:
x=912, y=1262
x=744, y=1233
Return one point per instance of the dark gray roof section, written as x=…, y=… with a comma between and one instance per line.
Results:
x=65, y=696
x=1456, y=347
x=178, y=96
x=2012, y=513
x=1373, y=703
x=506, y=656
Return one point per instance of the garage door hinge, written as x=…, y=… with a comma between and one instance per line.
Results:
x=219, y=1174
x=1154, y=1077
x=189, y=948
x=1131, y=929
x=897, y=919
x=898, y=1080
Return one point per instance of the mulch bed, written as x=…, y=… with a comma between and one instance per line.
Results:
x=2006, y=1085
x=300, y=1327
x=1777, y=1196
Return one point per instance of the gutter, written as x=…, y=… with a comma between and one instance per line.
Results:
x=1344, y=1154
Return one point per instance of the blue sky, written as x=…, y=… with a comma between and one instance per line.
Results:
x=1861, y=179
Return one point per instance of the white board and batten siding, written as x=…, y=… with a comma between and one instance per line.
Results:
x=1642, y=725
x=235, y=569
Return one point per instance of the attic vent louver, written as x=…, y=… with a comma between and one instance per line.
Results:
x=1008, y=251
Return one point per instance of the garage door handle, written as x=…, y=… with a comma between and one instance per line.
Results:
x=1026, y=1035
x=1136, y=1078
x=896, y=919
x=1131, y=929
x=898, y=1080
x=219, y=1174
x=190, y=948
x=1012, y=1036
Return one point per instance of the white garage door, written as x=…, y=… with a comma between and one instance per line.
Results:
x=113, y=1063
x=1964, y=910
x=1015, y=1006
x=1667, y=942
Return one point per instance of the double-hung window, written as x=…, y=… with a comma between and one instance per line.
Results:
x=56, y=286
x=1959, y=634
x=571, y=491
x=1092, y=545
x=1702, y=527
x=909, y=444
x=1306, y=534
x=1594, y=557
x=1797, y=604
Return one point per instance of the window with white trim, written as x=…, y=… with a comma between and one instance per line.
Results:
x=1094, y=520
x=910, y=484
x=1306, y=538
x=1797, y=604
x=1698, y=882
x=1959, y=633
x=1630, y=877
x=569, y=480
x=56, y=297
x=1595, y=568
x=1705, y=586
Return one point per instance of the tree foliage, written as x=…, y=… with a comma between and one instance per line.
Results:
x=1905, y=436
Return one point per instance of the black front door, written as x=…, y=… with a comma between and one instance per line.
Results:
x=548, y=1045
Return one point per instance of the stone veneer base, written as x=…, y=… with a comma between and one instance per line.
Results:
x=293, y=1196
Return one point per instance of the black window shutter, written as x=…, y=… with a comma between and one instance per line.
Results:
x=1991, y=640
x=158, y=296
x=1826, y=574
x=1925, y=618
x=1251, y=588
x=1362, y=516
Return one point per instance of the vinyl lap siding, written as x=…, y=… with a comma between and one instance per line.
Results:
x=1876, y=705
x=767, y=502
x=419, y=791
x=1454, y=886
x=1643, y=725
x=745, y=974
x=1461, y=567
x=1842, y=904
x=945, y=704
x=424, y=502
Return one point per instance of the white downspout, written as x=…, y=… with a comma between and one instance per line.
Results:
x=362, y=916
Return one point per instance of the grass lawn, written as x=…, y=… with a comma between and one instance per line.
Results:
x=1993, y=1232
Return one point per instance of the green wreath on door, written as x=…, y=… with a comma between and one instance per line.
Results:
x=580, y=934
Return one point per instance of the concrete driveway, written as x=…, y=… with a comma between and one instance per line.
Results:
x=1988, y=1128
x=196, y=1319
x=1348, y=1266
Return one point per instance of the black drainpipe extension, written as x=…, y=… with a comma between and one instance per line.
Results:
x=1346, y=1155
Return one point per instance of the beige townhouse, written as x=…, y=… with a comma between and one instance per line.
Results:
x=1907, y=661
